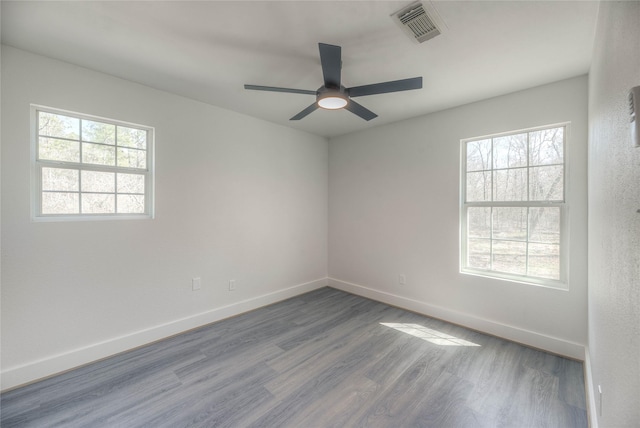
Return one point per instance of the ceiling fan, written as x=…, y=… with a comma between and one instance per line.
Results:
x=333, y=95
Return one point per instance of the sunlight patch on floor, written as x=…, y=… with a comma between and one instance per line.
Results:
x=428, y=334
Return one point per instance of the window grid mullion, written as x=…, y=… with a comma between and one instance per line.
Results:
x=92, y=167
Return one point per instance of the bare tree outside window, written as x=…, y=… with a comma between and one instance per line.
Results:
x=513, y=204
x=90, y=166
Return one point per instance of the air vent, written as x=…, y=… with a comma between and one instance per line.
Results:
x=417, y=23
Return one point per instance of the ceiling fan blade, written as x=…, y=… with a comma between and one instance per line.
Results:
x=305, y=112
x=274, y=89
x=382, y=88
x=358, y=110
x=331, y=60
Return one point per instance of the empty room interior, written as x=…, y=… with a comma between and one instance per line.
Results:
x=320, y=213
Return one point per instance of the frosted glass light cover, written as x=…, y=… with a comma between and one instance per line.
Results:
x=332, y=103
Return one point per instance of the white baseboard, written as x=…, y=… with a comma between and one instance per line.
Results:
x=55, y=364
x=515, y=334
x=592, y=409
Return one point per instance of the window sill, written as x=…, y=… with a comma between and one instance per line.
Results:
x=500, y=276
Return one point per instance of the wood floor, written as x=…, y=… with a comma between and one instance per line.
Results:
x=323, y=359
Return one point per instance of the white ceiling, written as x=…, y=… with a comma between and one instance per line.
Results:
x=207, y=50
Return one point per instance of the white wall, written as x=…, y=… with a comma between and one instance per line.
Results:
x=244, y=199
x=614, y=224
x=394, y=209
x=236, y=198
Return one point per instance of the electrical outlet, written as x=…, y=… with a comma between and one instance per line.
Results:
x=196, y=284
x=232, y=284
x=402, y=279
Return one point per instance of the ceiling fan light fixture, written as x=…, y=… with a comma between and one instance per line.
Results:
x=332, y=100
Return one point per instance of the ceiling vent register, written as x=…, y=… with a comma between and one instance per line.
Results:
x=417, y=23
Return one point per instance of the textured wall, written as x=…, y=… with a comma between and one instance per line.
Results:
x=614, y=224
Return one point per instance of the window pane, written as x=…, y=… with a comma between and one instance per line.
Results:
x=57, y=125
x=98, y=154
x=60, y=203
x=132, y=158
x=98, y=132
x=131, y=204
x=479, y=186
x=131, y=183
x=503, y=231
x=479, y=222
x=544, y=225
x=546, y=146
x=546, y=183
x=96, y=181
x=98, y=203
x=544, y=260
x=510, y=257
x=89, y=166
x=510, y=185
x=510, y=223
x=479, y=155
x=510, y=151
x=129, y=137
x=58, y=150
x=59, y=179
x=479, y=253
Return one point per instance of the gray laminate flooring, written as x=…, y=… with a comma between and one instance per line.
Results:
x=322, y=359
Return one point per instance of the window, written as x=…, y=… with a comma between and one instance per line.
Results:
x=90, y=168
x=513, y=206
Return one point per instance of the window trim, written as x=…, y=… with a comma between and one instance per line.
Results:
x=37, y=165
x=559, y=284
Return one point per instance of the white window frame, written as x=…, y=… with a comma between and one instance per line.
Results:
x=563, y=282
x=38, y=164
